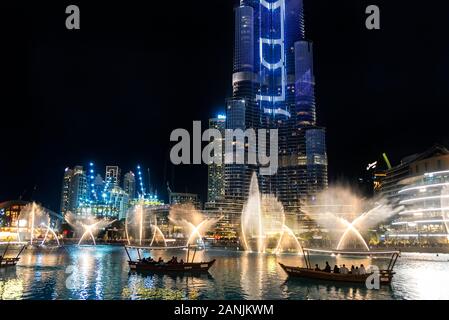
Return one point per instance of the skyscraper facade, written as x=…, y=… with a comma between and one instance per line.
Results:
x=129, y=184
x=66, y=190
x=79, y=191
x=215, y=172
x=274, y=88
x=113, y=175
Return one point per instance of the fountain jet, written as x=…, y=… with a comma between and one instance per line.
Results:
x=263, y=227
x=338, y=210
x=88, y=227
x=192, y=221
x=35, y=220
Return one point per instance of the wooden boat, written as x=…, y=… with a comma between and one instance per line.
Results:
x=171, y=267
x=5, y=261
x=385, y=275
x=166, y=267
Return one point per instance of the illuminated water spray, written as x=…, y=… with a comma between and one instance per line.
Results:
x=88, y=231
x=193, y=222
x=263, y=227
x=87, y=226
x=136, y=219
x=339, y=211
x=35, y=221
x=350, y=228
x=49, y=230
x=157, y=231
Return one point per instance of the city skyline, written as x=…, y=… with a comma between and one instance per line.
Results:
x=390, y=53
x=231, y=156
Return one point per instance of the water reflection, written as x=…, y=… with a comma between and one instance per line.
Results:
x=102, y=273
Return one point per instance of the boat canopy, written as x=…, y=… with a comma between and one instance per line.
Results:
x=363, y=253
x=393, y=255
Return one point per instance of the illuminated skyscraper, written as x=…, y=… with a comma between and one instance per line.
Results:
x=75, y=191
x=66, y=190
x=113, y=175
x=274, y=88
x=129, y=184
x=215, y=174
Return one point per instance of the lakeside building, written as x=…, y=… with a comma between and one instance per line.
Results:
x=419, y=187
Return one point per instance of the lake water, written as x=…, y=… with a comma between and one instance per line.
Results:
x=101, y=272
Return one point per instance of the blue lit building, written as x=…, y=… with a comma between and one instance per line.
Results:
x=274, y=88
x=85, y=193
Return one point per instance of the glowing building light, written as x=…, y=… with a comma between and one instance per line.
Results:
x=435, y=185
x=424, y=199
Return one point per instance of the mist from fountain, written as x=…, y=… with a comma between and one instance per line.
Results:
x=87, y=226
x=36, y=221
x=137, y=218
x=343, y=214
x=263, y=227
x=192, y=221
x=157, y=231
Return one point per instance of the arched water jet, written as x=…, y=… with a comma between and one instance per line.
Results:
x=192, y=221
x=334, y=208
x=351, y=228
x=293, y=236
x=33, y=221
x=88, y=226
x=88, y=231
x=49, y=229
x=157, y=230
x=196, y=233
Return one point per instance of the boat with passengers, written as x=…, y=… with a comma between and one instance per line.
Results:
x=150, y=265
x=308, y=272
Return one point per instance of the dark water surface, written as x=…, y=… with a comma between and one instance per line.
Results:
x=102, y=273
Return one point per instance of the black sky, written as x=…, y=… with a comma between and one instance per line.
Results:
x=113, y=91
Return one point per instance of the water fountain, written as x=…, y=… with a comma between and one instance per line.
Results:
x=138, y=220
x=87, y=225
x=157, y=231
x=34, y=222
x=263, y=226
x=346, y=217
x=193, y=222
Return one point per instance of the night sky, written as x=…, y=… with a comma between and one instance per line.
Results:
x=113, y=91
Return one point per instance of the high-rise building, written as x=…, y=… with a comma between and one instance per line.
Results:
x=86, y=194
x=113, y=175
x=274, y=88
x=129, y=184
x=66, y=190
x=79, y=191
x=215, y=183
